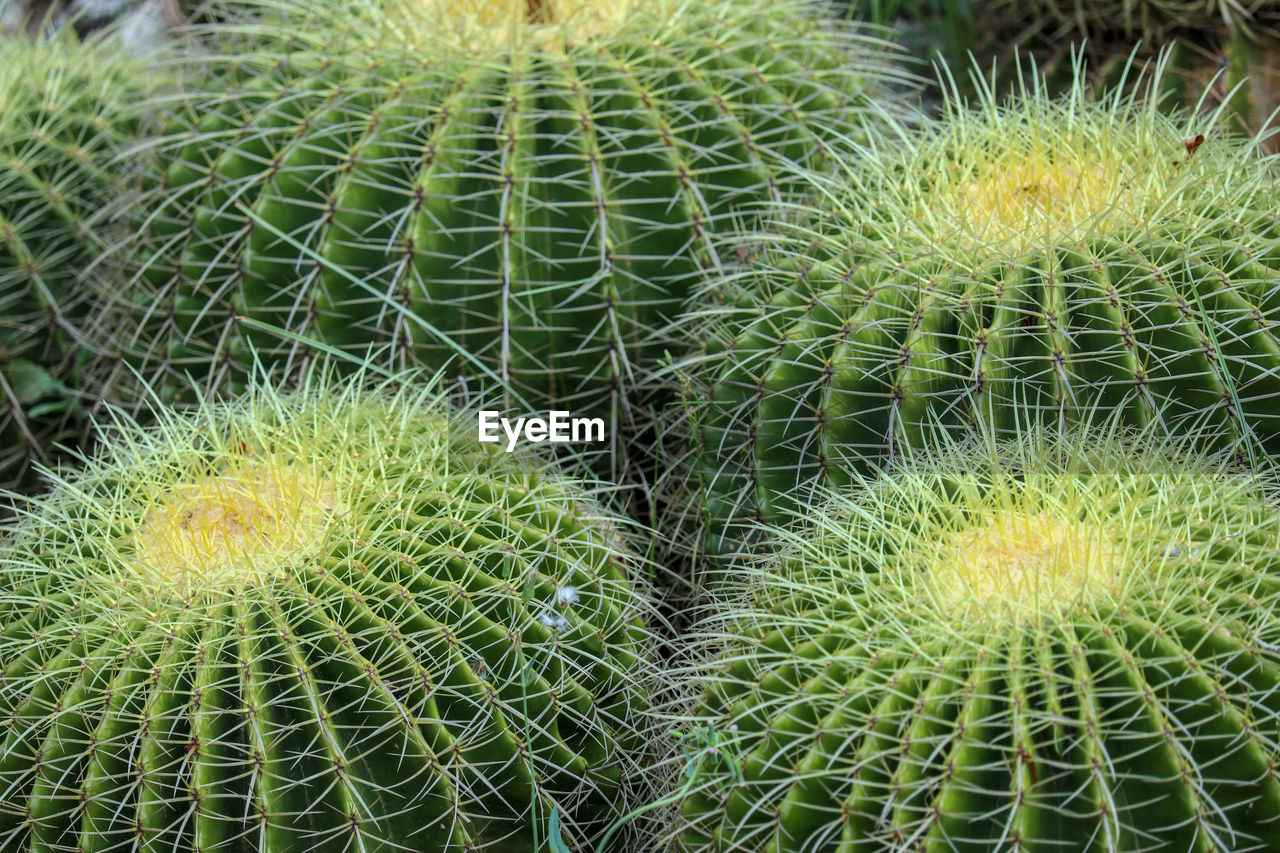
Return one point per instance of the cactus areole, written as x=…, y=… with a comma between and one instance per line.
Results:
x=311, y=622
x=1064, y=644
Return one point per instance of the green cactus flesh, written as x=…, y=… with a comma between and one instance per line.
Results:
x=1045, y=261
x=322, y=621
x=533, y=217
x=63, y=117
x=1058, y=644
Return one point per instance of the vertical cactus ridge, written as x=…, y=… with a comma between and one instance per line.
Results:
x=313, y=621
x=534, y=218
x=1106, y=682
x=1041, y=261
x=65, y=113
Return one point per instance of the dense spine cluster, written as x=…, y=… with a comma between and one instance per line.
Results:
x=64, y=117
x=1044, y=262
x=953, y=410
x=533, y=217
x=1042, y=645
x=327, y=620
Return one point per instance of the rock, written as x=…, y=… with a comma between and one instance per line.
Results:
x=142, y=25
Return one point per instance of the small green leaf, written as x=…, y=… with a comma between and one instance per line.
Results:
x=31, y=383
x=553, y=832
x=49, y=408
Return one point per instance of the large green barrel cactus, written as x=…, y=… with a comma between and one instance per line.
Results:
x=64, y=116
x=528, y=194
x=1047, y=644
x=1047, y=260
x=330, y=620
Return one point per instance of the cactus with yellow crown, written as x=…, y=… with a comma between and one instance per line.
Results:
x=327, y=620
x=1043, y=261
x=1054, y=643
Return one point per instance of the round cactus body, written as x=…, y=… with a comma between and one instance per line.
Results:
x=531, y=213
x=1053, y=644
x=1041, y=262
x=63, y=118
x=330, y=620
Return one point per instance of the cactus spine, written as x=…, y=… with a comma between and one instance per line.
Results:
x=64, y=115
x=318, y=621
x=1051, y=643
